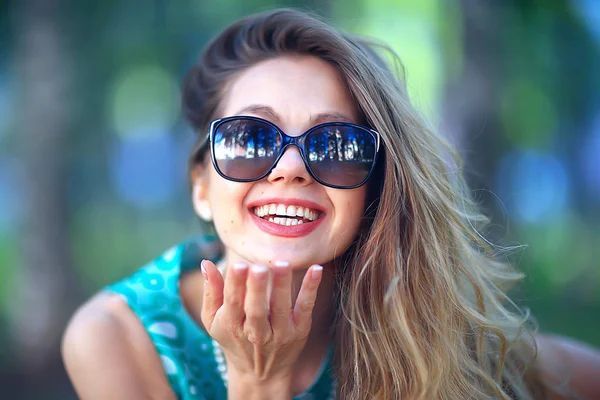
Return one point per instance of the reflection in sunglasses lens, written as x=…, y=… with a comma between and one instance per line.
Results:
x=245, y=149
x=337, y=154
x=341, y=155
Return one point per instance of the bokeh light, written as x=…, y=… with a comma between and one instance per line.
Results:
x=415, y=38
x=9, y=203
x=590, y=13
x=144, y=101
x=590, y=157
x=146, y=168
x=5, y=108
x=534, y=128
x=547, y=244
x=534, y=185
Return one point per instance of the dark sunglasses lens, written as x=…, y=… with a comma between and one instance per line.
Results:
x=341, y=155
x=245, y=148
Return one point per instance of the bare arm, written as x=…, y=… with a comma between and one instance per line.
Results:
x=108, y=355
x=567, y=361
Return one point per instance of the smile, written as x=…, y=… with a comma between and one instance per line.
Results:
x=286, y=215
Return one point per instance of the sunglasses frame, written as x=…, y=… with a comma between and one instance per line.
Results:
x=287, y=141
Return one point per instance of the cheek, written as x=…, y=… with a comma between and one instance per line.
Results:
x=227, y=202
x=350, y=208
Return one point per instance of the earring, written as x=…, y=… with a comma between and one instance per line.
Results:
x=205, y=212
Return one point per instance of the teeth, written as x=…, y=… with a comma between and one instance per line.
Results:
x=285, y=221
x=282, y=211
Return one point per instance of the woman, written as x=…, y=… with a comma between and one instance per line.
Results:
x=351, y=266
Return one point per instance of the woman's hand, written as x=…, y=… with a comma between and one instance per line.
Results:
x=261, y=336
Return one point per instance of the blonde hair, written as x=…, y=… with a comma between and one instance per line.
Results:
x=422, y=294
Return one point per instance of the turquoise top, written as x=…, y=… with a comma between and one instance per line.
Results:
x=192, y=360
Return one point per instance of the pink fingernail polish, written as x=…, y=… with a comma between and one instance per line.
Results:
x=259, y=269
x=317, y=270
x=204, y=274
x=240, y=265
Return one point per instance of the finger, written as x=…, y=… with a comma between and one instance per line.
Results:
x=212, y=298
x=235, y=293
x=256, y=307
x=281, y=297
x=307, y=297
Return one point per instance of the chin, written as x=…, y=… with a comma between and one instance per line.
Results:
x=298, y=258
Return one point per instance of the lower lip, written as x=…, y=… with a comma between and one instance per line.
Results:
x=283, y=230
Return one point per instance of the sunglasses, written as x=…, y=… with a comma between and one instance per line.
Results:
x=340, y=155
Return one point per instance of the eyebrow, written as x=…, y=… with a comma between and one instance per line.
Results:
x=315, y=119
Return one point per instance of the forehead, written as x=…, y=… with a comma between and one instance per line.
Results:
x=295, y=87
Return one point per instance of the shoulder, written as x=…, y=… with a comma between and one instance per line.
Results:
x=107, y=353
x=567, y=361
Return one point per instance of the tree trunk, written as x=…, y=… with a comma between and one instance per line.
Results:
x=43, y=287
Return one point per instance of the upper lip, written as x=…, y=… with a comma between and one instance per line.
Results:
x=287, y=201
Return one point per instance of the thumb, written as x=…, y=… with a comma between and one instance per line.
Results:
x=212, y=298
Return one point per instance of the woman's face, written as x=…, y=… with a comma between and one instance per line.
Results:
x=295, y=93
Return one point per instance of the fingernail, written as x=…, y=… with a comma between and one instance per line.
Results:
x=259, y=269
x=317, y=270
x=282, y=264
x=240, y=265
x=204, y=274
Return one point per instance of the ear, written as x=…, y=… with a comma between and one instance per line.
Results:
x=200, y=194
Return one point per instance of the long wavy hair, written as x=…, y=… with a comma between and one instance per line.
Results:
x=423, y=311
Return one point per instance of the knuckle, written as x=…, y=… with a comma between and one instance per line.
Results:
x=255, y=314
x=230, y=327
x=257, y=339
x=280, y=312
x=306, y=306
x=303, y=333
x=303, y=330
x=236, y=283
x=282, y=339
x=233, y=301
x=237, y=333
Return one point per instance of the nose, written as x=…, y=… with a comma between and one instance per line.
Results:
x=290, y=169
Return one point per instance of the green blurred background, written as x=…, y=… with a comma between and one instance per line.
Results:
x=93, y=148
